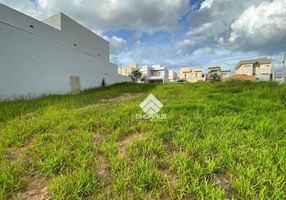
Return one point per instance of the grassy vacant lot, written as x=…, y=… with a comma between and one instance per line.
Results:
x=220, y=141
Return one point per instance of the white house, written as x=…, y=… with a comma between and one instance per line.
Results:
x=57, y=55
x=154, y=74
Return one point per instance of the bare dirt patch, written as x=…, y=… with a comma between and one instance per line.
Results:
x=224, y=181
x=128, y=140
x=96, y=139
x=16, y=153
x=169, y=174
x=103, y=169
x=121, y=98
x=170, y=146
x=35, y=188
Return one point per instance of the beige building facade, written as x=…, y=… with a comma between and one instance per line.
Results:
x=127, y=71
x=262, y=68
x=191, y=75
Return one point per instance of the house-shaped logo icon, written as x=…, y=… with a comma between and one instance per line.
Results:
x=151, y=105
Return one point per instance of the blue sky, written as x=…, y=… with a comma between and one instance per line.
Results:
x=176, y=33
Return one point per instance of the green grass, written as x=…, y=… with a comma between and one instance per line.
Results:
x=219, y=141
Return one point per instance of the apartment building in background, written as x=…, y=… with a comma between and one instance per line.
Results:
x=127, y=71
x=258, y=69
x=172, y=76
x=54, y=56
x=191, y=75
x=218, y=71
x=154, y=74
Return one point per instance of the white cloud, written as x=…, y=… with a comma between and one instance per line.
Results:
x=209, y=50
x=243, y=25
x=260, y=26
x=184, y=44
x=206, y=4
x=24, y=6
x=117, y=44
x=212, y=21
x=138, y=42
x=221, y=40
x=143, y=15
x=42, y=3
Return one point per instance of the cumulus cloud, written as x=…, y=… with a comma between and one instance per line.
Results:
x=211, y=23
x=209, y=51
x=245, y=25
x=206, y=4
x=27, y=7
x=184, y=45
x=143, y=15
x=259, y=27
x=117, y=44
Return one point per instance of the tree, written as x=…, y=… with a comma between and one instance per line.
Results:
x=215, y=77
x=136, y=75
x=103, y=83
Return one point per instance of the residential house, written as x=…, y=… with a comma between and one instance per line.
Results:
x=261, y=68
x=154, y=74
x=191, y=75
x=185, y=73
x=217, y=71
x=127, y=71
x=54, y=56
x=172, y=76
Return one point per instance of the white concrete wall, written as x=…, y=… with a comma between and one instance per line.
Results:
x=40, y=60
x=166, y=75
x=172, y=75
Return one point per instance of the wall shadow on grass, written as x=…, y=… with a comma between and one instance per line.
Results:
x=13, y=109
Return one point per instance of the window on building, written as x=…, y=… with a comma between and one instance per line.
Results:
x=255, y=66
x=155, y=73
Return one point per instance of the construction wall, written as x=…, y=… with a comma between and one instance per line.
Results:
x=36, y=59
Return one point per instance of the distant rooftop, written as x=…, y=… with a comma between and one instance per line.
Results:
x=263, y=60
x=214, y=67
